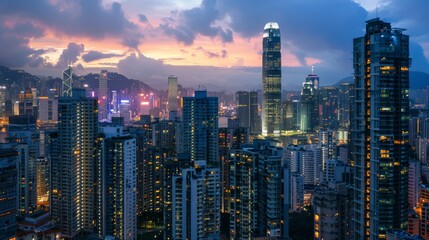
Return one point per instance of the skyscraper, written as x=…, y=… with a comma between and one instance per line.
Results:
x=200, y=128
x=379, y=130
x=116, y=207
x=309, y=113
x=103, y=98
x=247, y=109
x=67, y=82
x=172, y=94
x=8, y=192
x=73, y=164
x=271, y=79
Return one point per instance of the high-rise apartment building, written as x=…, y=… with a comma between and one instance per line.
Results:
x=379, y=130
x=116, y=197
x=24, y=138
x=196, y=203
x=8, y=192
x=200, y=128
x=271, y=79
x=73, y=169
x=172, y=94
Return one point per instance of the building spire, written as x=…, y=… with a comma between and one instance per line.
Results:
x=312, y=69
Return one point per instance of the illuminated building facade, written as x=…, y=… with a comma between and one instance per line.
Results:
x=103, y=97
x=172, y=94
x=116, y=195
x=8, y=192
x=200, y=128
x=379, y=130
x=271, y=79
x=72, y=178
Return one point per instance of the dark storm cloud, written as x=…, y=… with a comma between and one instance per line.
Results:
x=88, y=18
x=186, y=25
x=14, y=45
x=143, y=18
x=96, y=55
x=70, y=54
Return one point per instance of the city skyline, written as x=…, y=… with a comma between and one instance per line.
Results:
x=209, y=42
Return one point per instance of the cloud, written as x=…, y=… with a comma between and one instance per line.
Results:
x=14, y=45
x=211, y=54
x=79, y=18
x=96, y=55
x=186, y=25
x=70, y=54
x=143, y=18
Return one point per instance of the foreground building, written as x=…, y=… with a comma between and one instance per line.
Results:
x=379, y=130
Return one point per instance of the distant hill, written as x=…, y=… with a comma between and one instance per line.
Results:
x=21, y=80
x=418, y=80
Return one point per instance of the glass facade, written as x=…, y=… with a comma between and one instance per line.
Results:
x=379, y=130
x=271, y=79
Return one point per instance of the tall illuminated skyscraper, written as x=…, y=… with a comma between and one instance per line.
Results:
x=271, y=79
x=172, y=94
x=67, y=82
x=103, y=98
x=73, y=169
x=379, y=130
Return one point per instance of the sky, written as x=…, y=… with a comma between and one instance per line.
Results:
x=214, y=43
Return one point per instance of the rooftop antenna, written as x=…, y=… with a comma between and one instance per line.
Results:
x=312, y=69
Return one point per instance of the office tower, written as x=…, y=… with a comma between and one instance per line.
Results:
x=328, y=107
x=48, y=109
x=72, y=200
x=103, y=97
x=379, y=130
x=125, y=110
x=8, y=192
x=3, y=98
x=24, y=138
x=67, y=82
x=344, y=104
x=172, y=94
x=200, y=128
x=114, y=102
x=196, y=203
x=43, y=182
x=309, y=117
x=116, y=208
x=271, y=79
x=25, y=104
x=247, y=110
x=331, y=204
x=243, y=108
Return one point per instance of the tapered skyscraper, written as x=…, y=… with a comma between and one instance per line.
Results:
x=271, y=79
x=379, y=130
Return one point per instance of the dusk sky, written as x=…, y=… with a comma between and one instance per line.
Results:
x=216, y=43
